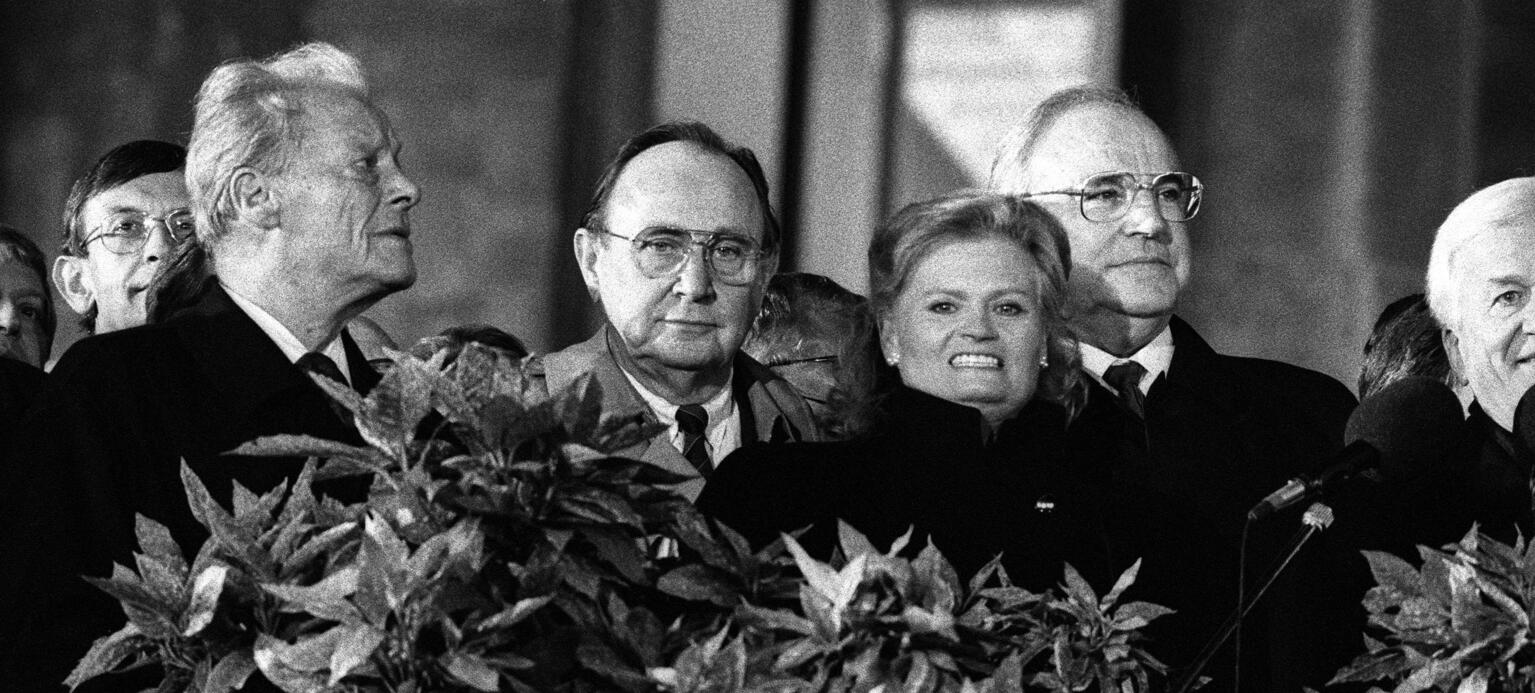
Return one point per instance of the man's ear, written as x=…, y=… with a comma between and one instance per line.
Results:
x=253, y=198
x=69, y=278
x=586, y=244
x=1452, y=351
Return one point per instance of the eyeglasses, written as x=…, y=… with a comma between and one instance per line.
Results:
x=127, y=231
x=779, y=363
x=1109, y=196
x=659, y=253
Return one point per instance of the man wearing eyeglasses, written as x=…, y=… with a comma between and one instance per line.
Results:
x=1180, y=439
x=676, y=247
x=122, y=221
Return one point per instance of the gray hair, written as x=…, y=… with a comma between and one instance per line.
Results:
x=1017, y=147
x=248, y=113
x=1500, y=206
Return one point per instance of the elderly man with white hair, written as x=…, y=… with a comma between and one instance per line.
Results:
x=304, y=209
x=1481, y=273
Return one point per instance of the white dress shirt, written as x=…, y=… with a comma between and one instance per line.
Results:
x=280, y=334
x=723, y=433
x=1156, y=357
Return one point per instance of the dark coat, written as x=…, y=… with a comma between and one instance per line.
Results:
x=929, y=467
x=105, y=442
x=19, y=384
x=1221, y=433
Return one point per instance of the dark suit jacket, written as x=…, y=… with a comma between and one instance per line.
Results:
x=929, y=469
x=1221, y=433
x=19, y=384
x=770, y=408
x=105, y=441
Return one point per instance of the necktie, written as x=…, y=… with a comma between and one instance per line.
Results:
x=316, y=362
x=692, y=420
x=1126, y=378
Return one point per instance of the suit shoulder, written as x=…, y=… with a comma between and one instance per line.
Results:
x=110, y=352
x=1277, y=374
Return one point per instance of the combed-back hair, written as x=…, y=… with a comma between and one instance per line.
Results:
x=1404, y=342
x=119, y=165
x=249, y=113
x=1010, y=166
x=808, y=315
x=698, y=134
x=15, y=246
x=1498, y=207
x=908, y=238
x=800, y=308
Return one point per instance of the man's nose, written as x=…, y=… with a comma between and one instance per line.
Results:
x=403, y=191
x=693, y=278
x=1144, y=217
x=10, y=318
x=159, y=245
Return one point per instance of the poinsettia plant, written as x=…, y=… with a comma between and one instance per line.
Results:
x=503, y=548
x=1460, y=622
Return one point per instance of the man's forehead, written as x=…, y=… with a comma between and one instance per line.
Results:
x=683, y=185
x=355, y=119
x=1497, y=255
x=151, y=192
x=1095, y=138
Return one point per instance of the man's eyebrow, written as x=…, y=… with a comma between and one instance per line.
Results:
x=724, y=231
x=1507, y=279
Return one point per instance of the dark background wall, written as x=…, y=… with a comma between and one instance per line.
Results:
x=1333, y=135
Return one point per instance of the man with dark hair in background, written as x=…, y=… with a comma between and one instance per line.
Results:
x=808, y=328
x=1405, y=342
x=303, y=207
x=124, y=218
x=1191, y=438
x=676, y=247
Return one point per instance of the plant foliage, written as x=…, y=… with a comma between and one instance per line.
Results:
x=503, y=548
x=1460, y=623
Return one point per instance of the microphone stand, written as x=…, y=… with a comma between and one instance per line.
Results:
x=1317, y=517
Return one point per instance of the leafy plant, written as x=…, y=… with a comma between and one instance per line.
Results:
x=502, y=548
x=1459, y=623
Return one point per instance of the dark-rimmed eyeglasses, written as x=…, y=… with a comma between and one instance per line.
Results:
x=127, y=231
x=732, y=258
x=1108, y=196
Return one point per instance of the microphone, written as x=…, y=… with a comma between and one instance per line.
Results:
x=1395, y=434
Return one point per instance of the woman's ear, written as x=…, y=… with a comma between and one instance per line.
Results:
x=76, y=288
x=889, y=343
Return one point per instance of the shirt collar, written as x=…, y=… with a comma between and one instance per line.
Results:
x=279, y=333
x=1156, y=357
x=719, y=407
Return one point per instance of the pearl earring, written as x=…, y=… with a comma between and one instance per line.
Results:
x=1044, y=362
x=892, y=360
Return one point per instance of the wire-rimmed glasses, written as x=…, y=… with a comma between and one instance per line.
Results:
x=659, y=252
x=126, y=231
x=1108, y=196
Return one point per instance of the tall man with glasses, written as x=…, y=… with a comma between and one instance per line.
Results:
x=1188, y=439
x=123, y=220
x=677, y=247
x=300, y=199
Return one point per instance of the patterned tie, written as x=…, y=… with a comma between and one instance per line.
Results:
x=692, y=420
x=1126, y=378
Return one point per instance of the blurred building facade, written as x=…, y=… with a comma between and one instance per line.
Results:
x=1333, y=136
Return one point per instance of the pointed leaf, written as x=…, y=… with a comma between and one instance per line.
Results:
x=353, y=647
x=108, y=652
x=231, y=672
x=473, y=672
x=205, y=599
